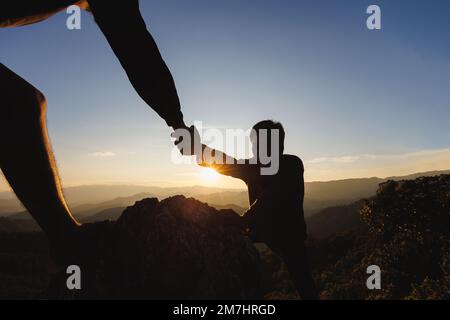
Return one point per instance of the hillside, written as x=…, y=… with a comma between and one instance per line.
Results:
x=406, y=234
x=403, y=229
x=335, y=221
x=176, y=248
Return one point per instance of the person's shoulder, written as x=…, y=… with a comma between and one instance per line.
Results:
x=293, y=161
x=292, y=158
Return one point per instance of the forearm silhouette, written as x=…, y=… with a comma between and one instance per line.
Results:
x=225, y=164
x=139, y=55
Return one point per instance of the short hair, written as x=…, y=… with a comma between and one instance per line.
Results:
x=271, y=125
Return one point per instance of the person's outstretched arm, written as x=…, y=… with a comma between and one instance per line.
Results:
x=188, y=142
x=127, y=34
x=223, y=163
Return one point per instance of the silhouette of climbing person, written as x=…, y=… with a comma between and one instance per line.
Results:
x=26, y=158
x=275, y=216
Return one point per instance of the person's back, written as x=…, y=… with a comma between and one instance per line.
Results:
x=280, y=216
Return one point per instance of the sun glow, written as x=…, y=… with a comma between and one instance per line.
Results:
x=209, y=175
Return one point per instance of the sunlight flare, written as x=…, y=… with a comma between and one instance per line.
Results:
x=209, y=175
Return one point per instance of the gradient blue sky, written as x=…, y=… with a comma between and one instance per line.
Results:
x=354, y=102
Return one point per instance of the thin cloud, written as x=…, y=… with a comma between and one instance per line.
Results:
x=400, y=156
x=345, y=159
x=379, y=165
x=102, y=154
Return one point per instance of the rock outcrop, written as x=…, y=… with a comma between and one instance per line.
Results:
x=176, y=248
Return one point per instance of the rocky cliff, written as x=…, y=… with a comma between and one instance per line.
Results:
x=176, y=248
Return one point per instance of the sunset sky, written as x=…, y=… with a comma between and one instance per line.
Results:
x=354, y=102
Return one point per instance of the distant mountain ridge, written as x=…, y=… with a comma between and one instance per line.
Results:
x=86, y=201
x=349, y=190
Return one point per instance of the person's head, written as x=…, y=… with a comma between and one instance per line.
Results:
x=262, y=136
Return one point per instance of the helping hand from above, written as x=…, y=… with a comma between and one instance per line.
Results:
x=187, y=140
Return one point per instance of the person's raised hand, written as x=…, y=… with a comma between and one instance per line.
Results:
x=187, y=140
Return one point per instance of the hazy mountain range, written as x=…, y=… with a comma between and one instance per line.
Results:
x=103, y=202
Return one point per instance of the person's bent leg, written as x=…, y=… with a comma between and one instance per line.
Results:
x=26, y=158
x=297, y=262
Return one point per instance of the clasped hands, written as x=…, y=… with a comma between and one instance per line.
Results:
x=188, y=142
x=187, y=139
